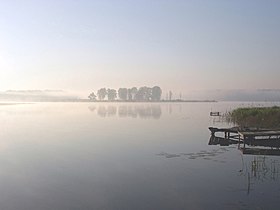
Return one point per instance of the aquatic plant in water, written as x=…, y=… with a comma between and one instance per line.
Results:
x=260, y=117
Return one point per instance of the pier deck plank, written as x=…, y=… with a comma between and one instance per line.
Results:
x=259, y=133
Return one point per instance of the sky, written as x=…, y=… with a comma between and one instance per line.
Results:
x=83, y=45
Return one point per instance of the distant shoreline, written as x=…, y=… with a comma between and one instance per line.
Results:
x=105, y=101
x=162, y=101
x=13, y=103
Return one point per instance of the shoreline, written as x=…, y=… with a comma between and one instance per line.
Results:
x=105, y=101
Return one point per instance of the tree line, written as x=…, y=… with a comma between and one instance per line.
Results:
x=128, y=94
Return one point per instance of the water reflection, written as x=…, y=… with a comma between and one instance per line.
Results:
x=259, y=169
x=256, y=147
x=100, y=163
x=143, y=111
x=261, y=166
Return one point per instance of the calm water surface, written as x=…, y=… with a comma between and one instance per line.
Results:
x=127, y=156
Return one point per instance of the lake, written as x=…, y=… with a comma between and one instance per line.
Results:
x=128, y=156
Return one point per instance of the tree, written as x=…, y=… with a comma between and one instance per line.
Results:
x=144, y=94
x=102, y=93
x=132, y=94
x=92, y=97
x=123, y=93
x=140, y=94
x=156, y=93
x=112, y=94
x=148, y=95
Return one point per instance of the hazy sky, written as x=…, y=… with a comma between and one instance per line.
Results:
x=82, y=45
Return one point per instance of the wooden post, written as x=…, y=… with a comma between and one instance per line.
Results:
x=239, y=137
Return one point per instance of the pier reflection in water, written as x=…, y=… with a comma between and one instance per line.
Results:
x=134, y=111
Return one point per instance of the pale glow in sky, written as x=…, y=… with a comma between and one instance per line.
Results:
x=180, y=45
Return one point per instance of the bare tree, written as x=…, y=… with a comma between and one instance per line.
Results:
x=170, y=95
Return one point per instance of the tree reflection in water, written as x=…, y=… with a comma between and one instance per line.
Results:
x=143, y=111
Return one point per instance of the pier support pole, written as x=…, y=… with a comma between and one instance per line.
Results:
x=239, y=138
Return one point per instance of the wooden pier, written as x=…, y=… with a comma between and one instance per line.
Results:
x=258, y=151
x=248, y=136
x=246, y=133
x=215, y=114
x=228, y=132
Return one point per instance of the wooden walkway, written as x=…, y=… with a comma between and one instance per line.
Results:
x=227, y=131
x=253, y=134
x=215, y=114
x=246, y=136
x=246, y=133
x=258, y=151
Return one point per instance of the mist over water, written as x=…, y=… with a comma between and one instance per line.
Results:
x=127, y=156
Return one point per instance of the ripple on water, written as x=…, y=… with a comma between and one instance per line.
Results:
x=203, y=154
